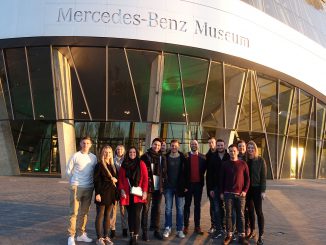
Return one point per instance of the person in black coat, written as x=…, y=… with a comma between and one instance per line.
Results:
x=106, y=194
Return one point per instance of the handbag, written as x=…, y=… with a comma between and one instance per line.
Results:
x=135, y=190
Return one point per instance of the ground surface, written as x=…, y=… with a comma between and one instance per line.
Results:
x=34, y=211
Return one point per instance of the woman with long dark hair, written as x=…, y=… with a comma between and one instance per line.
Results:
x=133, y=173
x=106, y=194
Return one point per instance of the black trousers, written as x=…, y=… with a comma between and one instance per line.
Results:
x=196, y=191
x=154, y=200
x=254, y=203
x=134, y=215
x=102, y=220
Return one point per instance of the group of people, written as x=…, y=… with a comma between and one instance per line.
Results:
x=235, y=182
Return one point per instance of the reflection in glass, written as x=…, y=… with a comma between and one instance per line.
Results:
x=305, y=111
x=194, y=75
x=18, y=83
x=141, y=63
x=245, y=111
x=122, y=103
x=41, y=82
x=256, y=119
x=90, y=65
x=5, y=107
x=36, y=145
x=291, y=154
x=172, y=109
x=213, y=109
x=322, y=168
x=234, y=80
x=268, y=95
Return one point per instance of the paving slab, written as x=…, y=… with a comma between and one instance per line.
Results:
x=34, y=211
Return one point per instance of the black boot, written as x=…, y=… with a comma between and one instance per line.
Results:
x=145, y=236
x=124, y=232
x=131, y=238
x=112, y=235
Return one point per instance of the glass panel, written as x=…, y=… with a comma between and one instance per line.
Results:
x=289, y=169
x=256, y=115
x=267, y=90
x=322, y=169
x=260, y=140
x=294, y=117
x=4, y=95
x=310, y=163
x=244, y=121
x=36, y=145
x=194, y=75
x=172, y=109
x=320, y=120
x=90, y=65
x=41, y=80
x=213, y=110
x=272, y=143
x=234, y=79
x=66, y=78
x=305, y=104
x=122, y=103
x=18, y=83
x=141, y=64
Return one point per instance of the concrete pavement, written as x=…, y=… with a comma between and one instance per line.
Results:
x=34, y=211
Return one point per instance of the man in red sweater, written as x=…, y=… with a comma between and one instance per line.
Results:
x=235, y=182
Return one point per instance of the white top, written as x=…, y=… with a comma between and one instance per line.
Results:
x=80, y=169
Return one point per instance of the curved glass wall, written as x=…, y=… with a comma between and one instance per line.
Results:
x=113, y=94
x=305, y=16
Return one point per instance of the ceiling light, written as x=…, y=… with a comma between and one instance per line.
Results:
x=126, y=112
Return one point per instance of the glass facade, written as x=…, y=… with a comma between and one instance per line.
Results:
x=305, y=16
x=112, y=91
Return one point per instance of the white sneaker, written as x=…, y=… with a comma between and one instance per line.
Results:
x=167, y=232
x=84, y=238
x=71, y=240
x=180, y=234
x=108, y=241
x=100, y=241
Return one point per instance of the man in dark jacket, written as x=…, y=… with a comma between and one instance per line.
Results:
x=195, y=169
x=174, y=188
x=156, y=166
x=215, y=157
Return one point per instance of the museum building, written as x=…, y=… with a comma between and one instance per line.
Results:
x=125, y=72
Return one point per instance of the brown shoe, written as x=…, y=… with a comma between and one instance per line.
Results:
x=227, y=240
x=185, y=230
x=198, y=231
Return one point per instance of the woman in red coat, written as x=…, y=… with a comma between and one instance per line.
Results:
x=133, y=172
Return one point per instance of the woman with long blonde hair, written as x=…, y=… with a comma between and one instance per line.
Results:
x=256, y=192
x=105, y=183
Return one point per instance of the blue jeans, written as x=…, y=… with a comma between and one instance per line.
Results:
x=235, y=201
x=169, y=194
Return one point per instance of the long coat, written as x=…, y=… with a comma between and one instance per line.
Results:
x=103, y=185
x=124, y=184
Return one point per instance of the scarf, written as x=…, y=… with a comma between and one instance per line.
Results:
x=132, y=167
x=155, y=158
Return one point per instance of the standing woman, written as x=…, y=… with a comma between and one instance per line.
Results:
x=256, y=192
x=105, y=183
x=133, y=172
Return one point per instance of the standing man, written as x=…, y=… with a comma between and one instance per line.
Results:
x=156, y=166
x=215, y=157
x=195, y=169
x=80, y=170
x=118, y=159
x=235, y=183
x=174, y=188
